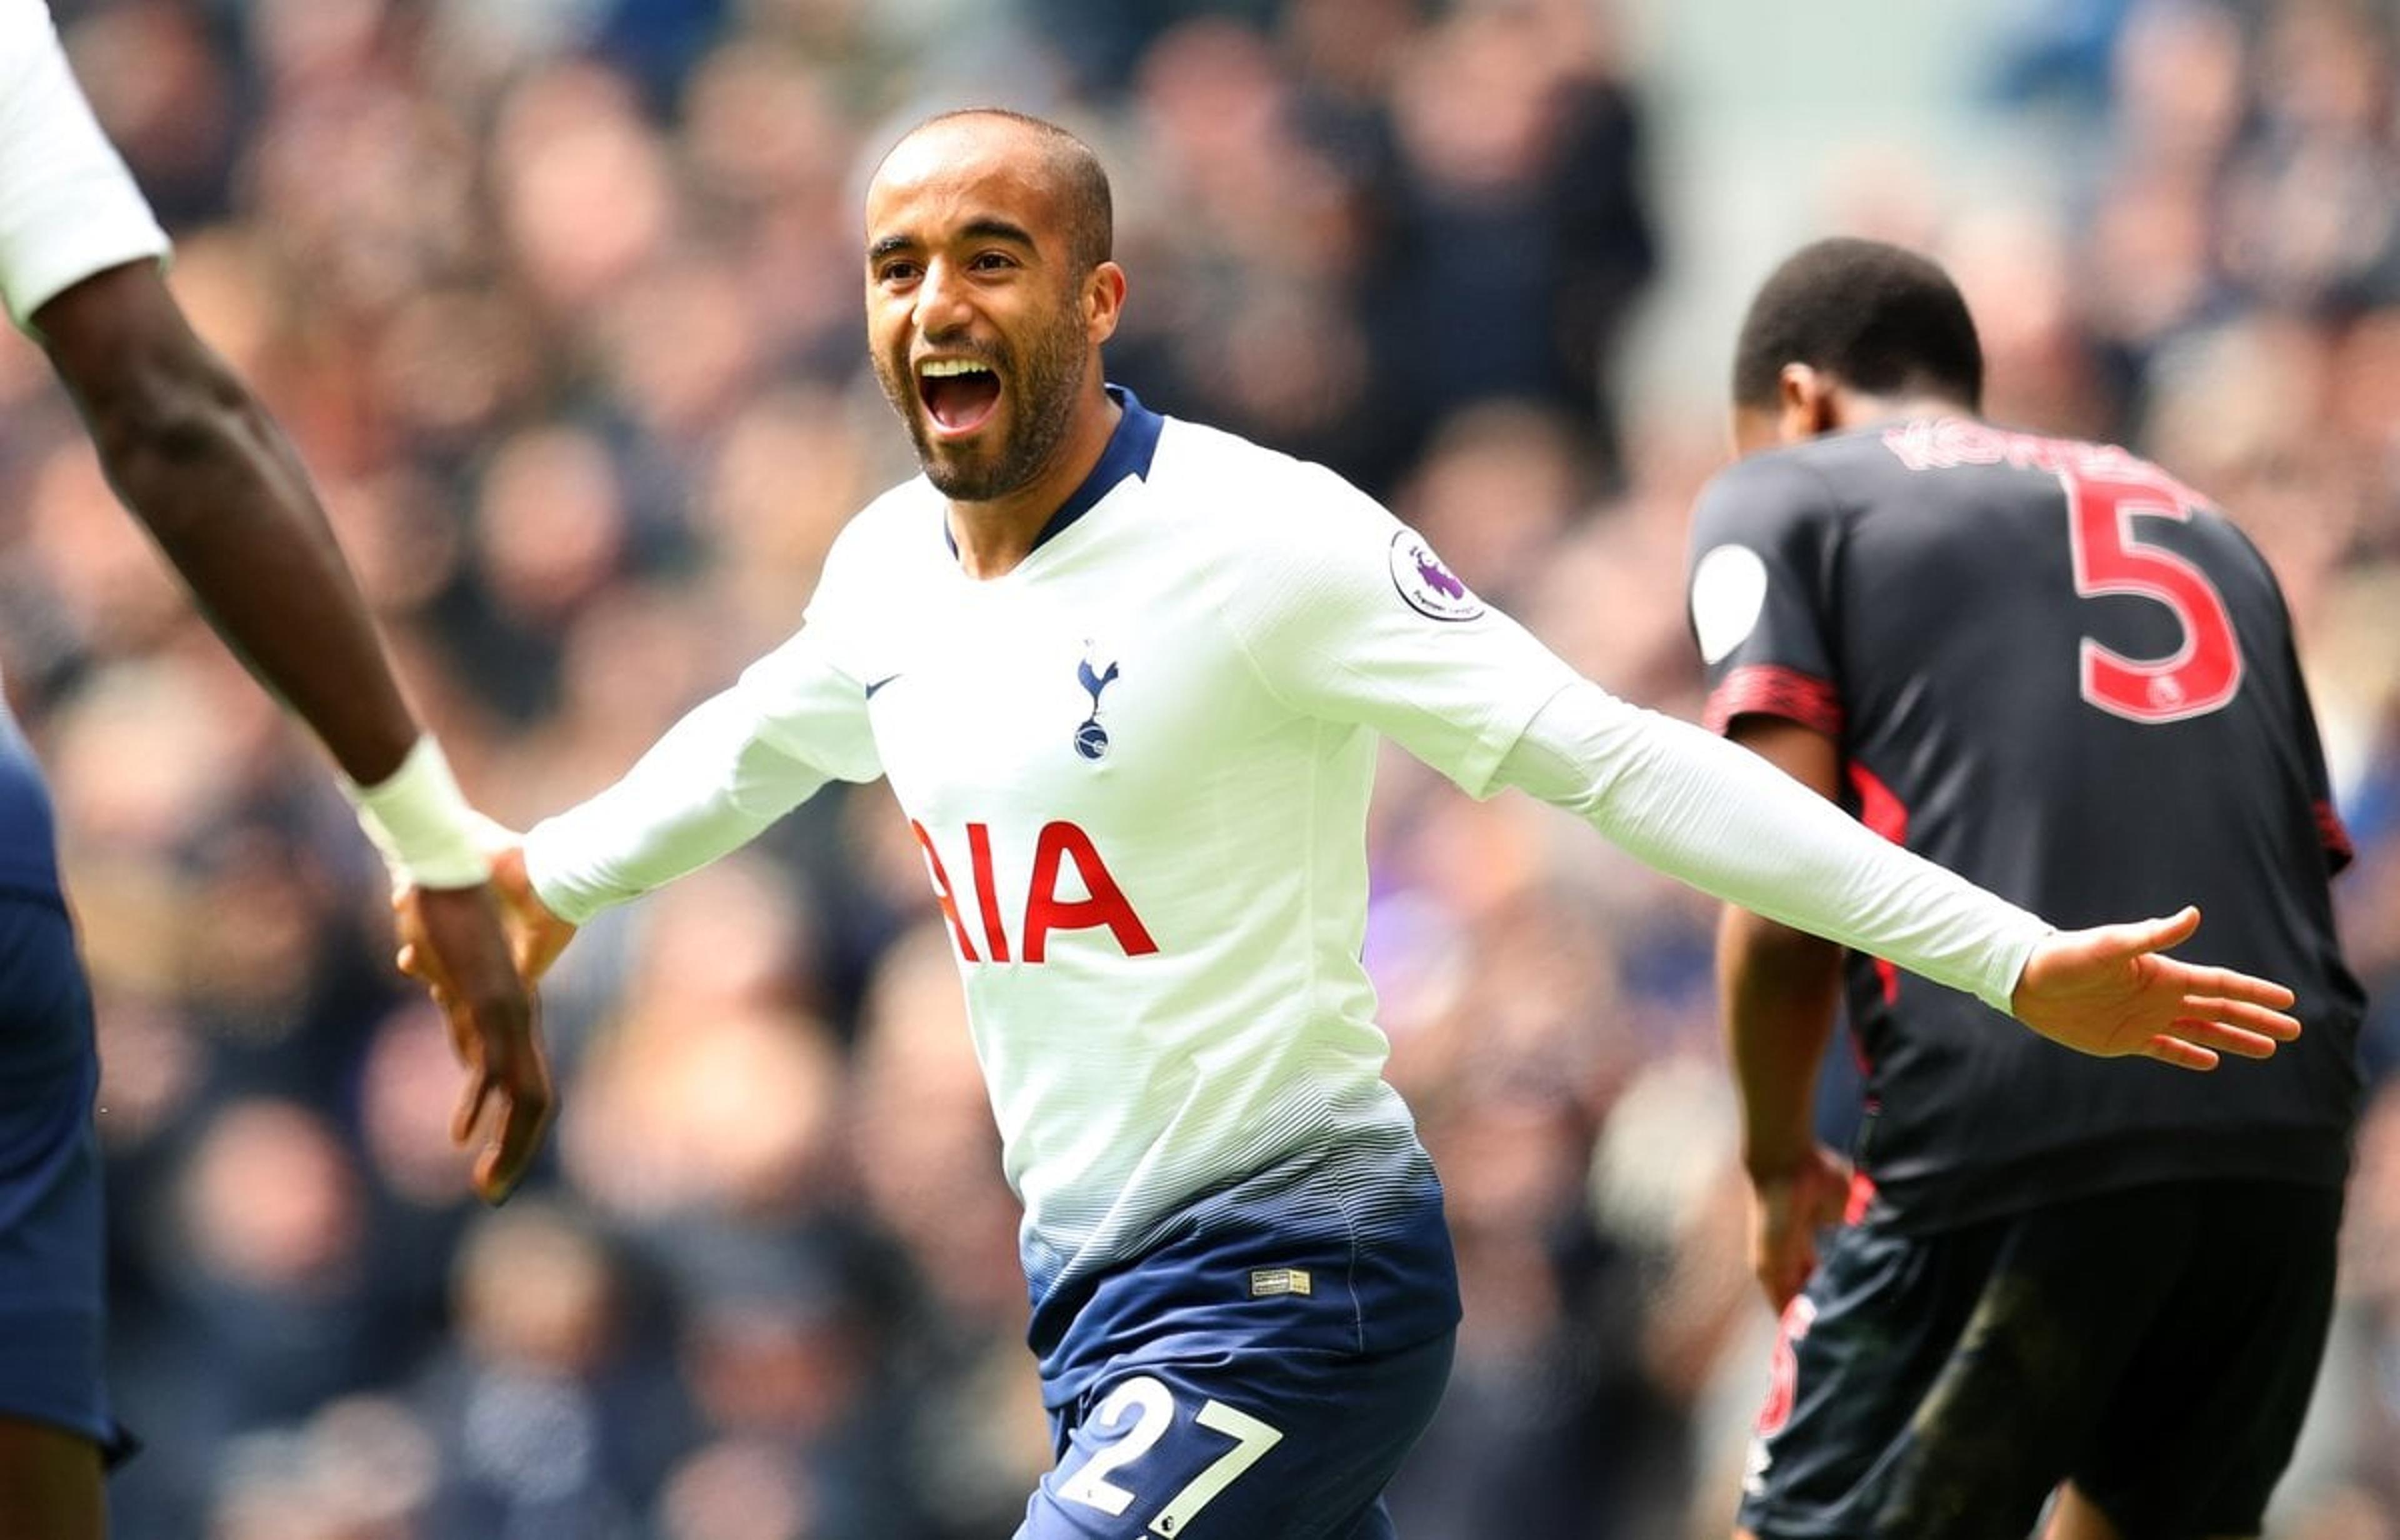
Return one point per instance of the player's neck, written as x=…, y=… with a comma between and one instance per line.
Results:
x=1857, y=409
x=994, y=537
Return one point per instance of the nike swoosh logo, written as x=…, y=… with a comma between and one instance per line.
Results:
x=880, y=684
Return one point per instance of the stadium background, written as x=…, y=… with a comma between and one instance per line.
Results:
x=559, y=298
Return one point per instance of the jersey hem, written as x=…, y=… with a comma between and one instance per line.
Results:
x=1932, y=1202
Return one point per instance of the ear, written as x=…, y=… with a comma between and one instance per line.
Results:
x=1104, y=293
x=1804, y=403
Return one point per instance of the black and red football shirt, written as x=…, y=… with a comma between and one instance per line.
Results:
x=2054, y=669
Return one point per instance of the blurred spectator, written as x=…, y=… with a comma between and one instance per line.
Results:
x=551, y=1408
x=1514, y=233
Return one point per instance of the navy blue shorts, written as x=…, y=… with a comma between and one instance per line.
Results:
x=1297, y=1446
x=1264, y=1371
x=52, y=1287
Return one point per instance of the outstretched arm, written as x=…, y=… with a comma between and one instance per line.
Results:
x=733, y=765
x=1355, y=619
x=713, y=782
x=1706, y=811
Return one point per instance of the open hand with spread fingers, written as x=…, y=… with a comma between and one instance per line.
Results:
x=2111, y=991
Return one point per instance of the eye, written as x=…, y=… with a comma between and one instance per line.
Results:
x=992, y=262
x=896, y=271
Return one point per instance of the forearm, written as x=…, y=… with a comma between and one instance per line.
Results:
x=235, y=515
x=1779, y=988
x=197, y=460
x=1732, y=825
x=708, y=787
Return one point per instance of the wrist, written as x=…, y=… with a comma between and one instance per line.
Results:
x=2016, y=962
x=419, y=822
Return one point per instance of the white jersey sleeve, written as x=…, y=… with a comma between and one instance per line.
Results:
x=732, y=766
x=68, y=207
x=1717, y=816
x=1348, y=615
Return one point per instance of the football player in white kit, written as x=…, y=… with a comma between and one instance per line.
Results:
x=1126, y=676
x=199, y=462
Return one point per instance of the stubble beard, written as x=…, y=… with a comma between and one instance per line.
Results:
x=1041, y=398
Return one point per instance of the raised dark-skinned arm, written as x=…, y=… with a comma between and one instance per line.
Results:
x=204, y=467
x=207, y=472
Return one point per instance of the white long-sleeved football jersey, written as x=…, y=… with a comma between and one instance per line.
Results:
x=1139, y=767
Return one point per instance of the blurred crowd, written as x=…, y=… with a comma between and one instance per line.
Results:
x=561, y=301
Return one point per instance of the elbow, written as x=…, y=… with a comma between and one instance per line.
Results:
x=169, y=413
x=1771, y=948
x=160, y=404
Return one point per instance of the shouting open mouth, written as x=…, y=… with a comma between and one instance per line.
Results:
x=960, y=395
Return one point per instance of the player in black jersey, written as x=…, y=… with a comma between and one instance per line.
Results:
x=2053, y=668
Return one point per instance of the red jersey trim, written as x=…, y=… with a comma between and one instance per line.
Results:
x=1772, y=690
x=2339, y=851
x=1881, y=810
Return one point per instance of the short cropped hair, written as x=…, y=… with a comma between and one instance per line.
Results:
x=1882, y=319
x=1081, y=181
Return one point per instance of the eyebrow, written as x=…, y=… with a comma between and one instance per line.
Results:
x=987, y=228
x=999, y=230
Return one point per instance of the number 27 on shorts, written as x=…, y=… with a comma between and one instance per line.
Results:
x=1149, y=1408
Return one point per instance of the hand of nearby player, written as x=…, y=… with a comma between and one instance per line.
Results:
x=1787, y=1209
x=536, y=935
x=2109, y=992
x=452, y=940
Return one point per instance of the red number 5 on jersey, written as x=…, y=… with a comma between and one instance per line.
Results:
x=2110, y=557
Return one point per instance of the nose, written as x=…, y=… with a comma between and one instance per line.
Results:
x=941, y=309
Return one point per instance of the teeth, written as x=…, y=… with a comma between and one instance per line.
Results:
x=950, y=368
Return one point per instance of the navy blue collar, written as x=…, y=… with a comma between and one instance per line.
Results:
x=1130, y=450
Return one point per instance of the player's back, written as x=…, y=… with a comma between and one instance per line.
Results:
x=2055, y=670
